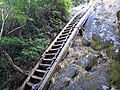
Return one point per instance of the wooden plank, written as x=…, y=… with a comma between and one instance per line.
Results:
x=36, y=77
x=30, y=84
x=42, y=71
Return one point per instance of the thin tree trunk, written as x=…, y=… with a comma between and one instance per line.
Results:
x=3, y=23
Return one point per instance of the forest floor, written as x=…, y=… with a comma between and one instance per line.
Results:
x=93, y=60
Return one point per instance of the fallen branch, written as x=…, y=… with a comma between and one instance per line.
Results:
x=15, y=67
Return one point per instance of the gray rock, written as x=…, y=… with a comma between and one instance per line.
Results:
x=102, y=29
x=71, y=71
x=92, y=81
x=88, y=62
x=62, y=82
x=74, y=86
x=104, y=69
x=92, y=18
x=65, y=77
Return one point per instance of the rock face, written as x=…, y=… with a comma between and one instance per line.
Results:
x=65, y=77
x=93, y=79
x=102, y=30
x=89, y=81
x=99, y=24
x=88, y=62
x=89, y=69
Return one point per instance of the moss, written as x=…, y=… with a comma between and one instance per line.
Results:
x=114, y=66
x=89, y=78
x=90, y=52
x=91, y=63
x=118, y=20
x=96, y=43
x=118, y=15
x=115, y=74
x=111, y=52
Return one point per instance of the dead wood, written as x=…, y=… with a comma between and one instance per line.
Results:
x=15, y=67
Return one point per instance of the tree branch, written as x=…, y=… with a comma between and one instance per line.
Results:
x=3, y=23
x=7, y=16
x=15, y=29
x=13, y=65
x=28, y=7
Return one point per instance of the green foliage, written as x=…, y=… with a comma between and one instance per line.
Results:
x=16, y=15
x=56, y=22
x=20, y=4
x=114, y=66
x=63, y=6
x=25, y=45
x=9, y=41
x=33, y=48
x=4, y=66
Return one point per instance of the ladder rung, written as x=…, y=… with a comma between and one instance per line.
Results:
x=63, y=34
x=30, y=84
x=68, y=28
x=61, y=38
x=42, y=71
x=36, y=77
x=57, y=45
x=47, y=65
x=66, y=31
x=61, y=41
x=54, y=49
x=50, y=54
x=45, y=59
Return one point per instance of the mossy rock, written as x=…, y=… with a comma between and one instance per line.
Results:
x=118, y=19
x=91, y=63
x=96, y=43
x=110, y=51
x=118, y=16
x=85, y=43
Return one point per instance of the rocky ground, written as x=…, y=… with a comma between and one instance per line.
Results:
x=93, y=61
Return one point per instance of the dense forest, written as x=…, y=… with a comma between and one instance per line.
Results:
x=27, y=28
